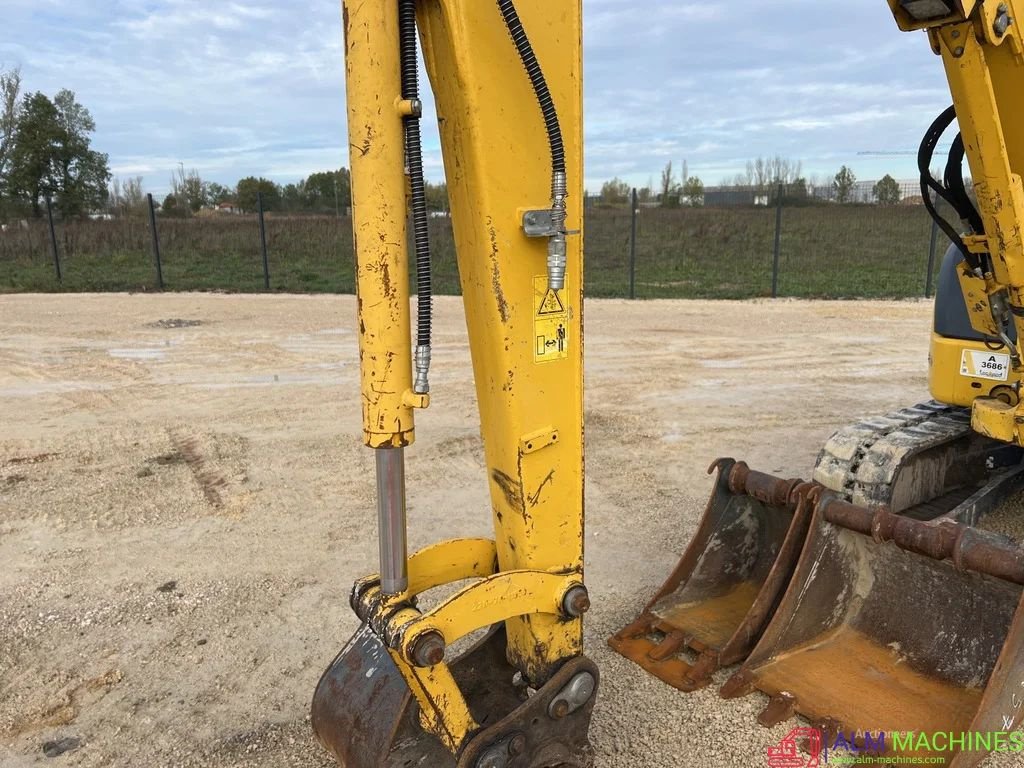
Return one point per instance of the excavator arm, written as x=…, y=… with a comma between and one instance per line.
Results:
x=981, y=48
x=506, y=78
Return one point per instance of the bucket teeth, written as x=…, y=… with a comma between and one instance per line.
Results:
x=894, y=624
x=718, y=600
x=890, y=616
x=780, y=708
x=672, y=643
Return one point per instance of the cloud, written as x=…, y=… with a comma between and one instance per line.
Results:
x=178, y=15
x=257, y=86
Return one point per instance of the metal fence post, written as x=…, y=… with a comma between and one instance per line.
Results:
x=778, y=243
x=928, y=286
x=632, y=246
x=156, y=243
x=263, y=242
x=53, y=240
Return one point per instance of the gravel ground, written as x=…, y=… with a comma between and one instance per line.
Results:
x=184, y=503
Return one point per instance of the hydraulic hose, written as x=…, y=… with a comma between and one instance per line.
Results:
x=955, y=193
x=557, y=248
x=417, y=196
x=540, y=84
x=955, y=184
x=929, y=184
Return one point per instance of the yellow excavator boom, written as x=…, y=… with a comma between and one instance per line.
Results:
x=875, y=561
x=507, y=80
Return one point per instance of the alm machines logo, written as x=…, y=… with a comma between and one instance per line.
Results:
x=790, y=753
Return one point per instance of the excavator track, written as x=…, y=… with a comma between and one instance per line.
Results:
x=923, y=462
x=861, y=461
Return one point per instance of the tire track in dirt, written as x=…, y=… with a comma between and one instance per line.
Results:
x=211, y=482
x=65, y=707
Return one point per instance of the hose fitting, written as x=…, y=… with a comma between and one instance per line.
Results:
x=422, y=383
x=557, y=247
x=559, y=187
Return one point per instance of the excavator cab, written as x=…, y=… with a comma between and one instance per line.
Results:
x=962, y=363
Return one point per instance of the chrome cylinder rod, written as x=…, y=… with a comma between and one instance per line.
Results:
x=391, y=529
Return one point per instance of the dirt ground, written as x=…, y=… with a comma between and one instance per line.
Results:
x=184, y=505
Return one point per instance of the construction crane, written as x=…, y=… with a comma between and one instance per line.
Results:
x=862, y=600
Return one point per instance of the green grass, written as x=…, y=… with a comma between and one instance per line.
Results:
x=825, y=251
x=832, y=251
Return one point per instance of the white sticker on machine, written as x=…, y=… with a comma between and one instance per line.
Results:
x=985, y=365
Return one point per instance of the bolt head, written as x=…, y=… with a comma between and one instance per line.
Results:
x=495, y=757
x=581, y=604
x=576, y=601
x=428, y=649
x=518, y=745
x=559, y=709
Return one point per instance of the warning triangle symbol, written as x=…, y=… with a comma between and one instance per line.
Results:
x=551, y=304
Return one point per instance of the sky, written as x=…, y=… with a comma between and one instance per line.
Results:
x=256, y=87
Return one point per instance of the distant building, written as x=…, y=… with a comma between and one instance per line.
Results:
x=734, y=196
x=228, y=206
x=864, y=192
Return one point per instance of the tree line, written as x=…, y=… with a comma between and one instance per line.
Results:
x=46, y=153
x=190, y=195
x=688, y=190
x=321, y=192
x=763, y=177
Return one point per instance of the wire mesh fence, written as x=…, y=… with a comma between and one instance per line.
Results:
x=822, y=250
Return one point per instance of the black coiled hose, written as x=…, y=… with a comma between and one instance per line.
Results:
x=540, y=85
x=414, y=158
x=929, y=184
x=954, y=177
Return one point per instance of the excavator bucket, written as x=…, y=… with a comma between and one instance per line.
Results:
x=717, y=602
x=895, y=625
x=364, y=714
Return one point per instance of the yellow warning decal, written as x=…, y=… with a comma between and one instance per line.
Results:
x=550, y=323
x=551, y=305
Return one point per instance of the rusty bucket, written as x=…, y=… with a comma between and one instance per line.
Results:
x=365, y=716
x=895, y=625
x=718, y=600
